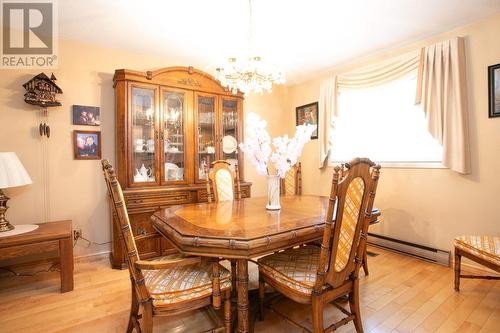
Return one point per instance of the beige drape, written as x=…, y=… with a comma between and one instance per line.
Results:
x=379, y=73
x=327, y=110
x=443, y=95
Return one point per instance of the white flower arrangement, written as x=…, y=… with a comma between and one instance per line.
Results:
x=257, y=146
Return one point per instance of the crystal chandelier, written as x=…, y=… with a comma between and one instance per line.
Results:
x=249, y=74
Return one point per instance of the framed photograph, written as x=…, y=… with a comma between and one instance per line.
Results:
x=87, y=145
x=494, y=90
x=308, y=115
x=86, y=115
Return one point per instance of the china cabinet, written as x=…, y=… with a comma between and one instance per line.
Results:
x=169, y=124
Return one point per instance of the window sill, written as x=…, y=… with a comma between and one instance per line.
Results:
x=404, y=165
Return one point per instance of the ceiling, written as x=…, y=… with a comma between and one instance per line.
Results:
x=302, y=37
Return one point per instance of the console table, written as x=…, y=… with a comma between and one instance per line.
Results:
x=48, y=239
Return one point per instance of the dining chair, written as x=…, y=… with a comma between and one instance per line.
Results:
x=292, y=183
x=484, y=250
x=342, y=173
x=320, y=275
x=167, y=285
x=225, y=182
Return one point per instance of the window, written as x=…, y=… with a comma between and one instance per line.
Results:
x=384, y=124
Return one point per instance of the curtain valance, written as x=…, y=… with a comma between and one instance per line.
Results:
x=441, y=89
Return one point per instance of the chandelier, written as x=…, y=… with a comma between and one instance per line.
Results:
x=249, y=74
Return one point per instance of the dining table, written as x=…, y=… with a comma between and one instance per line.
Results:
x=243, y=229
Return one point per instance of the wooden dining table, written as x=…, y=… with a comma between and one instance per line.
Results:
x=243, y=229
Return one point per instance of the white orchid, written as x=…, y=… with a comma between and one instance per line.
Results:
x=286, y=153
x=258, y=143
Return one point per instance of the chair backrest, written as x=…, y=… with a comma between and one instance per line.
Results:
x=123, y=224
x=351, y=202
x=223, y=180
x=292, y=183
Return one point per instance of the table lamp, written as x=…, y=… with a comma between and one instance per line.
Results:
x=12, y=174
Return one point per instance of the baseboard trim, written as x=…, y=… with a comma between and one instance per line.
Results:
x=93, y=256
x=418, y=251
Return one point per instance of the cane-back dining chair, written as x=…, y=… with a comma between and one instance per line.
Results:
x=292, y=183
x=167, y=285
x=226, y=187
x=484, y=250
x=320, y=275
x=342, y=173
x=225, y=182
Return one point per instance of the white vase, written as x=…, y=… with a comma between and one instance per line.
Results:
x=273, y=192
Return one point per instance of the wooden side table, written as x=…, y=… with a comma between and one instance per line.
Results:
x=49, y=238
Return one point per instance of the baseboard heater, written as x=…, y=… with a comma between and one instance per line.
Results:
x=423, y=252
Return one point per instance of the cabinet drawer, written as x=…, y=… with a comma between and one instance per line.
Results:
x=202, y=194
x=245, y=191
x=156, y=199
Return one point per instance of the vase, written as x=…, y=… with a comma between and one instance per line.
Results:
x=273, y=192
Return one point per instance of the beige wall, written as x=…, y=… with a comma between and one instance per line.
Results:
x=428, y=206
x=431, y=206
x=75, y=189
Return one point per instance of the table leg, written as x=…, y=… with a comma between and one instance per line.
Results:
x=66, y=257
x=242, y=285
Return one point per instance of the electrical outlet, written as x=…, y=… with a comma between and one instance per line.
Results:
x=77, y=233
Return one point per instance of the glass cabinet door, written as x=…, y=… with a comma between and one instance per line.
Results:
x=230, y=134
x=143, y=144
x=174, y=108
x=205, y=135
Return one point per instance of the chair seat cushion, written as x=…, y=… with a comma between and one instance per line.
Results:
x=184, y=283
x=485, y=247
x=295, y=268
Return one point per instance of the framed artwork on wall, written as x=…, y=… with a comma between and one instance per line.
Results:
x=308, y=115
x=87, y=145
x=86, y=115
x=494, y=90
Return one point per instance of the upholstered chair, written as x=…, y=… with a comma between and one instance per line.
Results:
x=166, y=285
x=292, y=183
x=485, y=250
x=226, y=187
x=320, y=275
x=225, y=182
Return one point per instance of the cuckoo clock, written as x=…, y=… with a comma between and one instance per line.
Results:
x=41, y=90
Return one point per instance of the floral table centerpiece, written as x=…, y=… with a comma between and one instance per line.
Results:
x=257, y=148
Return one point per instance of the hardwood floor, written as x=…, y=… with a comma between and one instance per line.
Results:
x=401, y=294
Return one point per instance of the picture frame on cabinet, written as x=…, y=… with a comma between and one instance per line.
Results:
x=87, y=145
x=494, y=91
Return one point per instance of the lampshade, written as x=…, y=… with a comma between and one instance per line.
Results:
x=12, y=172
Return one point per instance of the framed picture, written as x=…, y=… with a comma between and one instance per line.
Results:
x=86, y=115
x=87, y=145
x=494, y=90
x=308, y=115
